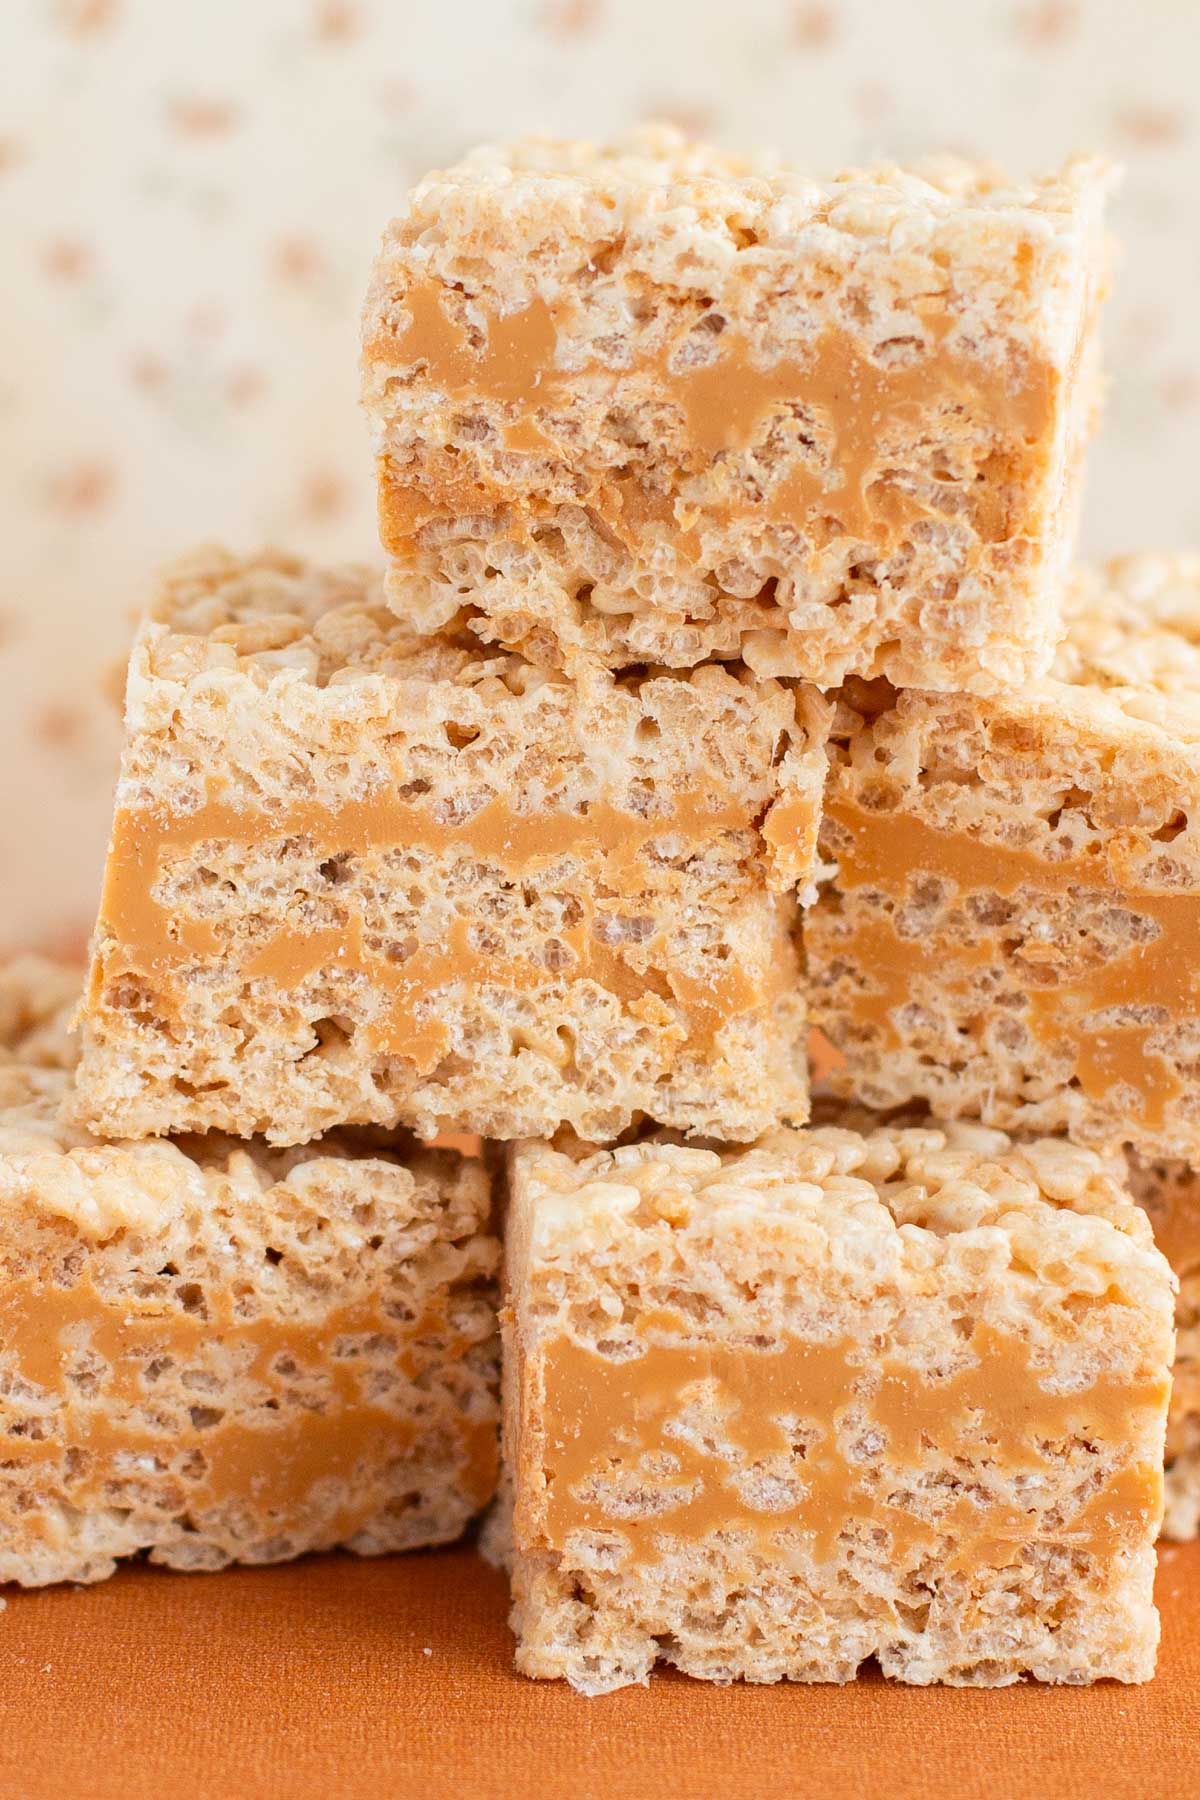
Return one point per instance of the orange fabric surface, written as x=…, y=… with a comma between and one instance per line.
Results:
x=343, y=1680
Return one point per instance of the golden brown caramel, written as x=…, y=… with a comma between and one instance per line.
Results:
x=514, y=359
x=141, y=937
x=606, y=1419
x=270, y=1455
x=790, y=833
x=853, y=405
x=1161, y=970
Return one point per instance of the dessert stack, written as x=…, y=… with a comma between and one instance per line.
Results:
x=727, y=677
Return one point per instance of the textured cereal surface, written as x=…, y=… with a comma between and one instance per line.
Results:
x=772, y=1412
x=213, y=1352
x=361, y=877
x=1170, y=1192
x=646, y=402
x=1013, y=928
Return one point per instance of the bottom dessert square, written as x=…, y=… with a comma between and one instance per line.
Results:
x=770, y=1413
x=213, y=1352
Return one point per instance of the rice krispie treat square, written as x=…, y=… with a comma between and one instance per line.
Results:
x=214, y=1353
x=1170, y=1192
x=648, y=402
x=1013, y=929
x=771, y=1412
x=361, y=877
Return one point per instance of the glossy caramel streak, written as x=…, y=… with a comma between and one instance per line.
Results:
x=271, y=1454
x=790, y=833
x=143, y=938
x=885, y=849
x=608, y=1419
x=852, y=402
x=514, y=359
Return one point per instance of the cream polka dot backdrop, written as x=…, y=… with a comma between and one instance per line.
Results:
x=190, y=196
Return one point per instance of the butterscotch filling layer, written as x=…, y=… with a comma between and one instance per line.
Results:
x=272, y=1453
x=1155, y=971
x=142, y=936
x=842, y=409
x=687, y=1440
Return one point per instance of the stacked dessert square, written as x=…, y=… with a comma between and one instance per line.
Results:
x=651, y=404
x=215, y=1351
x=726, y=674
x=861, y=1390
x=362, y=877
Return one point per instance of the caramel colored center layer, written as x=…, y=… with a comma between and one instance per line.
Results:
x=1160, y=970
x=849, y=404
x=153, y=942
x=270, y=1452
x=780, y=1413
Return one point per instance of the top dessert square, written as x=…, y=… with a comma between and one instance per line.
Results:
x=647, y=402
